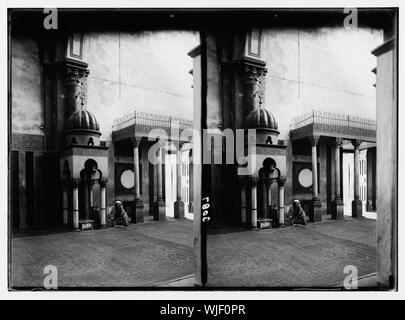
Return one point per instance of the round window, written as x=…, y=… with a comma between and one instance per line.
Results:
x=127, y=179
x=305, y=178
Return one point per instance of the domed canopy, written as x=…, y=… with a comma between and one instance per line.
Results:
x=82, y=120
x=261, y=118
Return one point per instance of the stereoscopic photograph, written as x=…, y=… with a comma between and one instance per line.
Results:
x=191, y=149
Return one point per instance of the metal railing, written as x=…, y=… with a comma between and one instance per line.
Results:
x=151, y=120
x=332, y=119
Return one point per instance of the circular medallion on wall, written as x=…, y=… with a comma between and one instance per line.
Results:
x=305, y=178
x=127, y=179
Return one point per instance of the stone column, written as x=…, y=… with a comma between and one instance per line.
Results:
x=86, y=199
x=65, y=203
x=137, y=208
x=337, y=213
x=253, y=205
x=269, y=182
x=159, y=206
x=91, y=196
x=103, y=198
x=75, y=204
x=178, y=204
x=316, y=213
x=281, y=210
x=242, y=201
x=356, y=203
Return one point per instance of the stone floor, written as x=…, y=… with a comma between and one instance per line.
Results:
x=144, y=255
x=303, y=256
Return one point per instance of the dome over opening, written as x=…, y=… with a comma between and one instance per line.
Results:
x=82, y=120
x=261, y=118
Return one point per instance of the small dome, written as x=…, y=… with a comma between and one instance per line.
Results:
x=261, y=118
x=82, y=120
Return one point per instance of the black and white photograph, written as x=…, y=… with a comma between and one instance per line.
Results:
x=202, y=149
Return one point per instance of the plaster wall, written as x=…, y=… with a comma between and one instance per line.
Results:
x=26, y=86
x=143, y=71
x=327, y=69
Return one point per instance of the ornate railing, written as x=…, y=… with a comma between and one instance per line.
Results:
x=329, y=123
x=151, y=120
x=334, y=119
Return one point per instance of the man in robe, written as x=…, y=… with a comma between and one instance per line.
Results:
x=296, y=215
x=118, y=216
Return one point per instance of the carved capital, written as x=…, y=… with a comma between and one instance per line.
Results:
x=75, y=183
x=252, y=73
x=314, y=140
x=356, y=143
x=102, y=183
x=339, y=142
x=74, y=74
x=281, y=181
x=253, y=182
x=135, y=141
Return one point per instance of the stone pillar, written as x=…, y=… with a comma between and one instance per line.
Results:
x=178, y=204
x=159, y=206
x=75, y=204
x=91, y=196
x=316, y=207
x=269, y=182
x=103, y=200
x=337, y=213
x=65, y=203
x=253, y=205
x=86, y=199
x=137, y=208
x=281, y=210
x=356, y=203
x=242, y=201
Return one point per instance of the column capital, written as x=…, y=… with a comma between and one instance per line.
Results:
x=314, y=140
x=356, y=143
x=102, y=183
x=135, y=141
x=338, y=142
x=268, y=182
x=281, y=181
x=253, y=181
x=75, y=183
x=75, y=72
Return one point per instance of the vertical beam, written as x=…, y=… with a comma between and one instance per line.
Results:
x=281, y=210
x=269, y=182
x=22, y=189
x=137, y=209
x=190, y=182
x=38, y=188
x=159, y=206
x=338, y=203
x=75, y=204
x=316, y=213
x=243, y=201
x=199, y=109
x=253, y=206
x=178, y=204
x=387, y=157
x=65, y=200
x=103, y=197
x=357, y=206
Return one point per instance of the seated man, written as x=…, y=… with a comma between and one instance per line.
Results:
x=118, y=216
x=296, y=215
